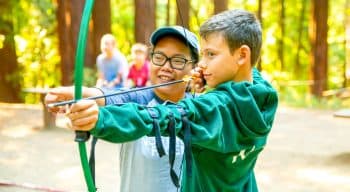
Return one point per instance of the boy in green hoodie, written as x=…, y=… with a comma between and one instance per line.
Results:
x=224, y=130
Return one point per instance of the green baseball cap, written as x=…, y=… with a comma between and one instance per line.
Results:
x=178, y=31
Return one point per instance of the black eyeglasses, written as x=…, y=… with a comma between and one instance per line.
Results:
x=176, y=62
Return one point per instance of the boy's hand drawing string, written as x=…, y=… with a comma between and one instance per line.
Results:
x=184, y=80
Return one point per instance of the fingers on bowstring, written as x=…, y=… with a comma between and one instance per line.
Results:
x=57, y=95
x=197, y=81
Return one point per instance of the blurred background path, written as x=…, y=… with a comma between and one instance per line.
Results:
x=308, y=151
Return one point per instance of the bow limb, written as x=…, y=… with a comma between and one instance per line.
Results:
x=81, y=137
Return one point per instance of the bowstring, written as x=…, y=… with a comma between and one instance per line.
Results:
x=188, y=87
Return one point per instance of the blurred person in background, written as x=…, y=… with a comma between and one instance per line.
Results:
x=112, y=66
x=139, y=70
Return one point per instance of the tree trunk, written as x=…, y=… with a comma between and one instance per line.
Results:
x=145, y=20
x=347, y=45
x=69, y=13
x=297, y=66
x=9, y=84
x=183, y=10
x=66, y=48
x=220, y=6
x=280, y=39
x=168, y=13
x=259, y=15
x=101, y=17
x=68, y=16
x=319, y=47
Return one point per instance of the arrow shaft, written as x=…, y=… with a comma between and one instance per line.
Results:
x=114, y=93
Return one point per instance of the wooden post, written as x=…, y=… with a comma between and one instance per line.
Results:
x=49, y=119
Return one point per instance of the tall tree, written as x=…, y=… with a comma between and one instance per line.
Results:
x=220, y=5
x=9, y=85
x=101, y=17
x=69, y=14
x=259, y=15
x=319, y=47
x=280, y=39
x=168, y=6
x=347, y=45
x=145, y=20
x=297, y=66
x=68, y=17
x=183, y=13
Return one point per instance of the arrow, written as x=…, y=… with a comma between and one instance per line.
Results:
x=185, y=79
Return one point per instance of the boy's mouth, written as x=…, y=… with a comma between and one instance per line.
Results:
x=165, y=78
x=205, y=75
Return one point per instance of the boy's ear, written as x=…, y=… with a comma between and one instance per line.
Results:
x=244, y=54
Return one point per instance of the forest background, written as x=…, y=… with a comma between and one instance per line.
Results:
x=305, y=54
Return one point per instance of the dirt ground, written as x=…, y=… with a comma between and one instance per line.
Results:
x=308, y=151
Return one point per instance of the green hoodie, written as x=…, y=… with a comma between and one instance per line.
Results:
x=229, y=127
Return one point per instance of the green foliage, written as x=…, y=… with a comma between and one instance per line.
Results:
x=336, y=65
x=90, y=77
x=36, y=43
x=336, y=43
x=250, y=5
x=123, y=23
x=161, y=15
x=2, y=39
x=200, y=11
x=300, y=97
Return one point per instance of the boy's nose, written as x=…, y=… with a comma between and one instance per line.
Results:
x=202, y=64
x=167, y=65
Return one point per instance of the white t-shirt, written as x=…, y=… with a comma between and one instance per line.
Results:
x=141, y=168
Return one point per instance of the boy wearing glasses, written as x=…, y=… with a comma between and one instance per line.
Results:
x=174, y=53
x=226, y=127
